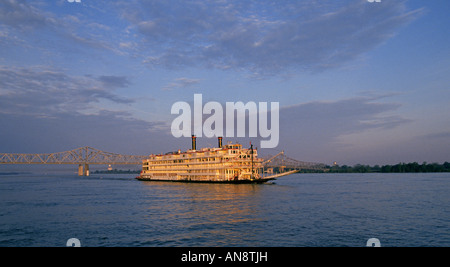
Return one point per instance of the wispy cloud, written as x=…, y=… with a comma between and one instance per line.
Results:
x=438, y=136
x=21, y=15
x=314, y=129
x=242, y=35
x=181, y=83
x=41, y=91
x=262, y=37
x=30, y=21
x=114, y=81
x=341, y=116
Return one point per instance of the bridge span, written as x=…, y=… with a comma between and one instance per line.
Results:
x=281, y=165
x=83, y=157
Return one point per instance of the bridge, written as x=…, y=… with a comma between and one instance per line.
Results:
x=83, y=157
x=278, y=165
x=281, y=165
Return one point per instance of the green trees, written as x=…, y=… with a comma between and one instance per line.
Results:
x=400, y=168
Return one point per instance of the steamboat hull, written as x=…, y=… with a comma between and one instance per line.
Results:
x=254, y=181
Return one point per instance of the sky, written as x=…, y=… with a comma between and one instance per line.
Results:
x=356, y=82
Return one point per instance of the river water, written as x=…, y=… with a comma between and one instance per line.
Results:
x=297, y=210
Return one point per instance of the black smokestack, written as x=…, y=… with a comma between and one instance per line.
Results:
x=194, y=142
x=220, y=142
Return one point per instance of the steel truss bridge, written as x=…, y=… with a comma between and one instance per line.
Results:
x=83, y=157
x=281, y=165
x=278, y=165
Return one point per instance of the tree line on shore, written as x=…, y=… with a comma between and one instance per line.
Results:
x=116, y=171
x=397, y=168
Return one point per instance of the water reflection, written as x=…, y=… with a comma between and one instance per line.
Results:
x=202, y=212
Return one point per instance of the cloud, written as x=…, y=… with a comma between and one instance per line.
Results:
x=115, y=81
x=21, y=15
x=343, y=116
x=312, y=131
x=181, y=83
x=444, y=136
x=30, y=22
x=262, y=36
x=42, y=92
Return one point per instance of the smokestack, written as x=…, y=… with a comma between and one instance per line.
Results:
x=220, y=142
x=194, y=142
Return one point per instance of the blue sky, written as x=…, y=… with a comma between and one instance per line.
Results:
x=357, y=82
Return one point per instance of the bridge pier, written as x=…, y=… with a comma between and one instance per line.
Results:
x=83, y=170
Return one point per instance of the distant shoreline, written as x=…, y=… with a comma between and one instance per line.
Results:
x=115, y=171
x=413, y=167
